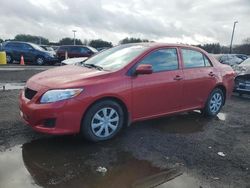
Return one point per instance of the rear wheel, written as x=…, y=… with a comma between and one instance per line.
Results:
x=214, y=103
x=102, y=121
x=9, y=58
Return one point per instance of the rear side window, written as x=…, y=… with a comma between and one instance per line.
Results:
x=162, y=60
x=63, y=48
x=207, y=62
x=192, y=59
x=13, y=45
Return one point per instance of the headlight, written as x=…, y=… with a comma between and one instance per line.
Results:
x=59, y=94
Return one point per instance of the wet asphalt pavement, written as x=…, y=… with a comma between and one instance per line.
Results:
x=185, y=150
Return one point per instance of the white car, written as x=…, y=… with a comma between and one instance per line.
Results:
x=228, y=59
x=73, y=61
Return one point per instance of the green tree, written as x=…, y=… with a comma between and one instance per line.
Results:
x=1, y=40
x=246, y=41
x=31, y=38
x=69, y=41
x=132, y=40
x=99, y=43
x=213, y=48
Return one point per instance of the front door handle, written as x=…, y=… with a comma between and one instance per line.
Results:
x=178, y=77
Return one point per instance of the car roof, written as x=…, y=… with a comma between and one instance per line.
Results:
x=21, y=42
x=152, y=45
x=73, y=46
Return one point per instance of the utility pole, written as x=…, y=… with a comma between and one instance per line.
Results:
x=232, y=37
x=74, y=31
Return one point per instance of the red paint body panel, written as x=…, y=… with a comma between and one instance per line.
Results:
x=145, y=96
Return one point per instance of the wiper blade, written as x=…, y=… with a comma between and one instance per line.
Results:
x=93, y=66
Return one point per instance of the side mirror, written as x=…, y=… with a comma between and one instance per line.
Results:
x=144, y=69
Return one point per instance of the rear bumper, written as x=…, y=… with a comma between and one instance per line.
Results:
x=67, y=115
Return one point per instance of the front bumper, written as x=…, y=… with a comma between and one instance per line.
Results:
x=66, y=115
x=54, y=59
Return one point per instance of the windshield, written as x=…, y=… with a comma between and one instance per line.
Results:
x=93, y=49
x=37, y=47
x=246, y=62
x=117, y=57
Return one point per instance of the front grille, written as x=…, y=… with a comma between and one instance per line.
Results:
x=29, y=93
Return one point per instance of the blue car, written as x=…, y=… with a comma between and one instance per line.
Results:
x=32, y=53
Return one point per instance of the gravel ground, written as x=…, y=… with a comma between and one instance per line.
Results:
x=199, y=152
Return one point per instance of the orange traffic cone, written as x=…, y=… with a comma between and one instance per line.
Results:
x=22, y=61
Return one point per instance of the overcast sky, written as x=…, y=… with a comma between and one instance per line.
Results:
x=186, y=21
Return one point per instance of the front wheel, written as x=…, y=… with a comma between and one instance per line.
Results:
x=214, y=103
x=103, y=121
x=40, y=61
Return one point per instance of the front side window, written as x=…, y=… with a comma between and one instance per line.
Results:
x=27, y=47
x=162, y=60
x=192, y=59
x=84, y=50
x=35, y=46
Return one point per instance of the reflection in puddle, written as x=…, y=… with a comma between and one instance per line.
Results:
x=183, y=181
x=221, y=116
x=12, y=170
x=11, y=86
x=71, y=162
x=62, y=162
x=184, y=123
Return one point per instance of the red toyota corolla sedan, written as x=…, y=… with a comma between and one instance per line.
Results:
x=125, y=84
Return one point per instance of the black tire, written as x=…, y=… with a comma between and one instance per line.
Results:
x=9, y=58
x=40, y=60
x=207, y=111
x=86, y=127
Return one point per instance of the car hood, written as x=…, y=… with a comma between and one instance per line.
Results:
x=65, y=77
x=74, y=60
x=241, y=69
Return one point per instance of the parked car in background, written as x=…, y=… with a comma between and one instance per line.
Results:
x=242, y=80
x=102, y=49
x=230, y=59
x=124, y=84
x=49, y=49
x=55, y=47
x=75, y=51
x=242, y=56
x=32, y=53
x=73, y=61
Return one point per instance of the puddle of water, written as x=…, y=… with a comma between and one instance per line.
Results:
x=11, y=86
x=184, y=123
x=59, y=162
x=222, y=116
x=12, y=170
x=183, y=181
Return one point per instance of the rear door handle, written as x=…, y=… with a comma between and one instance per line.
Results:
x=211, y=74
x=178, y=77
